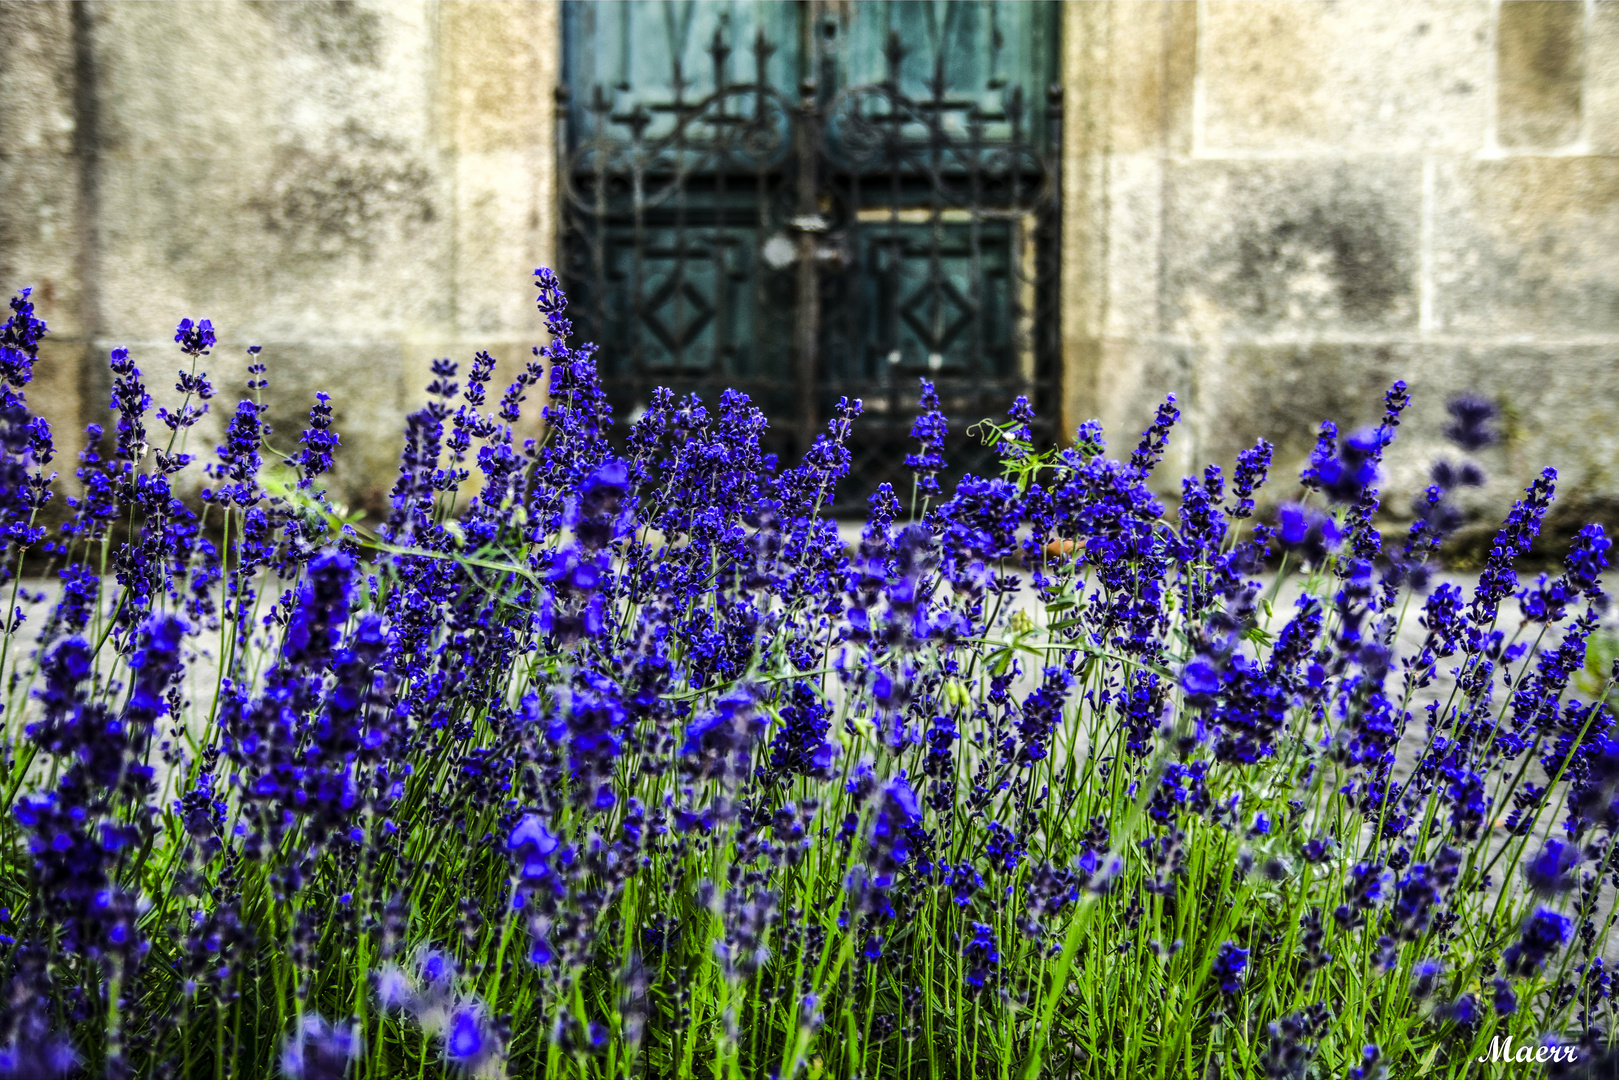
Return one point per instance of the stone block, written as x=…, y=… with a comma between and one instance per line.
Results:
x=1133, y=378
x=1282, y=392
x=1320, y=77
x=1081, y=364
x=1151, y=64
x=501, y=237
x=1539, y=71
x=1299, y=247
x=212, y=80
x=499, y=65
x=1527, y=246
x=347, y=242
x=40, y=224
x=1555, y=401
x=1601, y=106
x=1133, y=297
x=37, y=77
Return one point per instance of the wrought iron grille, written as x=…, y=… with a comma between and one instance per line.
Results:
x=813, y=200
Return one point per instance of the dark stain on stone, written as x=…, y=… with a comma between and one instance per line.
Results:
x=1350, y=240
x=1539, y=45
x=1290, y=389
x=347, y=196
x=340, y=29
x=1469, y=549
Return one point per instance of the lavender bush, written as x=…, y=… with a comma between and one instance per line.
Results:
x=623, y=766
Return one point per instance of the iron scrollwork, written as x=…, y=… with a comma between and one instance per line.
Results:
x=807, y=243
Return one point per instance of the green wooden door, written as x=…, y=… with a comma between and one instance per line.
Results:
x=807, y=200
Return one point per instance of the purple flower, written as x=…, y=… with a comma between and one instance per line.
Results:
x=194, y=339
x=1253, y=467
x=1353, y=469
x=1464, y=1011
x=1504, y=1000
x=19, y=341
x=1311, y=533
x=1424, y=979
x=1587, y=557
x=316, y=1050
x=1471, y=417
x=1544, y=933
x=1155, y=439
x=930, y=429
x=36, y=1052
x=1229, y=964
x=470, y=1041
x=981, y=954
x=532, y=845
x=317, y=442
x=1552, y=870
x=1200, y=678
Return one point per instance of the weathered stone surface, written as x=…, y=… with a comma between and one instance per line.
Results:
x=1271, y=209
x=499, y=65
x=1601, y=104
x=1539, y=71
x=1151, y=66
x=41, y=215
x=356, y=187
x=294, y=173
x=1282, y=393
x=345, y=242
x=1133, y=379
x=1084, y=218
x=1556, y=409
x=1303, y=78
x=1292, y=247
x=36, y=77
x=39, y=236
x=1527, y=246
x=1135, y=246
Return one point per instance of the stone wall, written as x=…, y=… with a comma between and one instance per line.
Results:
x=358, y=188
x=1275, y=209
x=1270, y=209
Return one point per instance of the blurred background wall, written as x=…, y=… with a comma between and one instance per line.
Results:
x=1270, y=209
x=1276, y=209
x=358, y=188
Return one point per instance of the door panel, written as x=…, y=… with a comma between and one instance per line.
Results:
x=816, y=199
